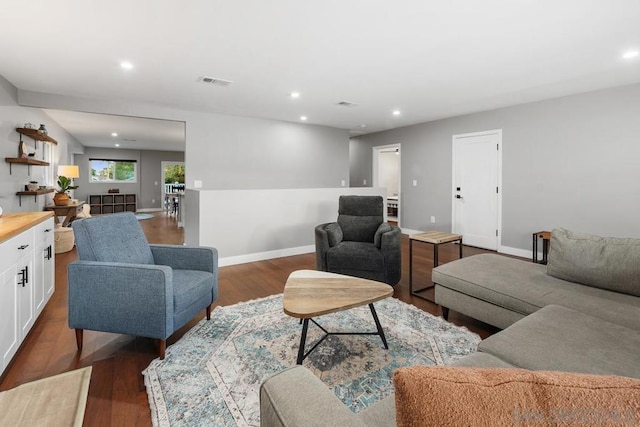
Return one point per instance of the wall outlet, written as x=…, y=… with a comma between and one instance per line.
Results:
x=197, y=184
x=155, y=183
x=364, y=182
x=415, y=182
x=433, y=220
x=343, y=182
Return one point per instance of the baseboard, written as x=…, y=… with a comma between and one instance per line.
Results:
x=259, y=256
x=524, y=253
x=150, y=210
x=410, y=231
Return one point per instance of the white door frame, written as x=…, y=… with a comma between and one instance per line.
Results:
x=497, y=132
x=374, y=172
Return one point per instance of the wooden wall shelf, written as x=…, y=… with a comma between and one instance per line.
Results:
x=35, y=194
x=35, y=135
x=25, y=161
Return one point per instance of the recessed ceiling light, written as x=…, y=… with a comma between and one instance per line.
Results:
x=295, y=94
x=117, y=145
x=630, y=54
x=396, y=112
x=363, y=126
x=303, y=118
x=125, y=65
x=114, y=134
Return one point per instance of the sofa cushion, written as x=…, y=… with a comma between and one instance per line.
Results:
x=603, y=262
x=191, y=286
x=558, y=338
x=481, y=360
x=355, y=256
x=112, y=238
x=446, y=396
x=524, y=287
x=359, y=217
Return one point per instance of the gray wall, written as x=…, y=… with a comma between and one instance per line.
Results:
x=570, y=162
x=12, y=116
x=151, y=176
x=232, y=152
x=359, y=167
x=149, y=172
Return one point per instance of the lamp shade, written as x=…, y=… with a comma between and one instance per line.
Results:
x=70, y=171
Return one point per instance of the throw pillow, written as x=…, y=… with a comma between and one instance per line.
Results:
x=455, y=396
x=601, y=262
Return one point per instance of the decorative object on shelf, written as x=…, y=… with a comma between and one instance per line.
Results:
x=0, y=210
x=29, y=126
x=66, y=174
x=32, y=186
x=113, y=190
x=22, y=150
x=43, y=130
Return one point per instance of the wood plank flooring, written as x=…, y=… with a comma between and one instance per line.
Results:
x=117, y=395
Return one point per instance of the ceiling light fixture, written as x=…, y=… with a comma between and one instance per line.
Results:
x=363, y=126
x=125, y=65
x=117, y=145
x=630, y=54
x=303, y=118
x=295, y=94
x=114, y=134
x=396, y=112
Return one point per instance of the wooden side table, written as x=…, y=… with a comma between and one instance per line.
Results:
x=546, y=238
x=68, y=211
x=436, y=238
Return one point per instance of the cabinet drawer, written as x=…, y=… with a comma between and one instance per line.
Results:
x=15, y=247
x=44, y=231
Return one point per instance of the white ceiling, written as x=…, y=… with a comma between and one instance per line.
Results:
x=429, y=59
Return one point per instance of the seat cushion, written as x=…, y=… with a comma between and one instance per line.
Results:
x=560, y=339
x=481, y=360
x=524, y=287
x=191, y=286
x=112, y=238
x=355, y=256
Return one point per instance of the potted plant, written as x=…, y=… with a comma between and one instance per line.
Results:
x=62, y=197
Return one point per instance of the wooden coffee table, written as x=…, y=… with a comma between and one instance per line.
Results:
x=310, y=293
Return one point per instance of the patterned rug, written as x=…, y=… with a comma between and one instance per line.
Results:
x=213, y=374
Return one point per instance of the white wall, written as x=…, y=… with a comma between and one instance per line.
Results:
x=12, y=116
x=250, y=225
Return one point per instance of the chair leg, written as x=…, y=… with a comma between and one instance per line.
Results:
x=163, y=348
x=208, y=312
x=445, y=313
x=79, y=338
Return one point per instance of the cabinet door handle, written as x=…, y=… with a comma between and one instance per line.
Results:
x=26, y=274
x=23, y=273
x=23, y=247
x=48, y=255
x=47, y=230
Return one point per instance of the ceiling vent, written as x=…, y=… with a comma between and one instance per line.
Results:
x=215, y=81
x=347, y=104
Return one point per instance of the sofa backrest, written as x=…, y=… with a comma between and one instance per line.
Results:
x=610, y=263
x=112, y=238
x=359, y=217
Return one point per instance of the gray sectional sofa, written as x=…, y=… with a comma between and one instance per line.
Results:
x=581, y=313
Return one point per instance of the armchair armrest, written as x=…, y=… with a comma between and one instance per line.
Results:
x=390, y=243
x=200, y=258
x=133, y=299
x=296, y=397
x=327, y=235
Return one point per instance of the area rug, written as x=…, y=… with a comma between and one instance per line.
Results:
x=212, y=375
x=142, y=216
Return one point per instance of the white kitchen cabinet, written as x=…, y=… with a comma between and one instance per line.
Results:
x=26, y=277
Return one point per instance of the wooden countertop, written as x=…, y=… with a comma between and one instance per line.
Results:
x=12, y=224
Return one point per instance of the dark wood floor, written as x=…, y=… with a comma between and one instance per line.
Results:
x=117, y=394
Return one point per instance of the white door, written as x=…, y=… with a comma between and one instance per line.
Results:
x=476, y=188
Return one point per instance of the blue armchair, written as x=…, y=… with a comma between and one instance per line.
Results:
x=124, y=285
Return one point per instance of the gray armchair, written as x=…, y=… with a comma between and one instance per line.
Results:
x=360, y=244
x=124, y=285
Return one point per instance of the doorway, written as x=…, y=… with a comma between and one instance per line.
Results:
x=173, y=184
x=386, y=174
x=477, y=188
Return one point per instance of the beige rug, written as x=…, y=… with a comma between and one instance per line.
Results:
x=55, y=401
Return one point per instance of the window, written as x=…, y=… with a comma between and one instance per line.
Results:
x=47, y=171
x=107, y=170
